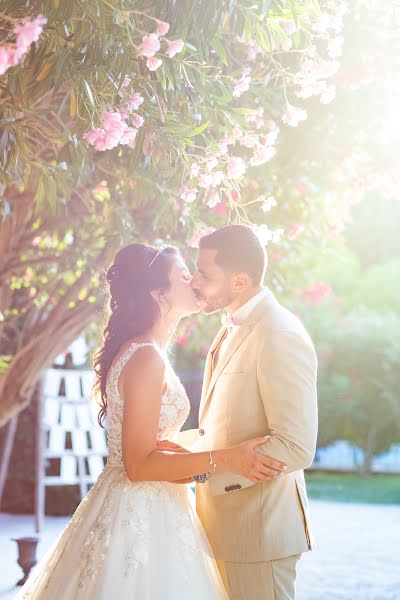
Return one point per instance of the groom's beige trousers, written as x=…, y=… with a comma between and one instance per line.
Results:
x=271, y=580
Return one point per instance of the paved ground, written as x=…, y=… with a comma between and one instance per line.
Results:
x=357, y=556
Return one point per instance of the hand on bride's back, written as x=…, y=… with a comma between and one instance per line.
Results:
x=253, y=465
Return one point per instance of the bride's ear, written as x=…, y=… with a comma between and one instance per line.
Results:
x=158, y=296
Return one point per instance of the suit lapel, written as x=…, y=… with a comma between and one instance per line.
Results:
x=208, y=369
x=210, y=376
x=233, y=345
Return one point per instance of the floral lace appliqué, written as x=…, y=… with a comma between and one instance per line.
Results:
x=140, y=497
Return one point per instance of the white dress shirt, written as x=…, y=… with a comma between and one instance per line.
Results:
x=235, y=319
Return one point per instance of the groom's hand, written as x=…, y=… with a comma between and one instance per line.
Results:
x=167, y=446
x=254, y=465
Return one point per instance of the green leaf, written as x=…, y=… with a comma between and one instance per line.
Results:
x=265, y=8
x=40, y=192
x=294, y=12
x=89, y=92
x=220, y=50
x=198, y=130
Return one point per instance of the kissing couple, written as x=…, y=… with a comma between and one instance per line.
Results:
x=137, y=534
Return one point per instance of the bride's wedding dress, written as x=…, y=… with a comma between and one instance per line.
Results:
x=136, y=540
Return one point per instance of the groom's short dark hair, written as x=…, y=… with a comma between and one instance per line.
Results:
x=238, y=249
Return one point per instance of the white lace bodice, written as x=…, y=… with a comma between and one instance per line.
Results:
x=175, y=405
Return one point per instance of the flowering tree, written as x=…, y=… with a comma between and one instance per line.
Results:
x=123, y=123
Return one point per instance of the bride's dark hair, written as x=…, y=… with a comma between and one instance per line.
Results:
x=136, y=271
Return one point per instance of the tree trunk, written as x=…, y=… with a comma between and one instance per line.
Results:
x=18, y=382
x=369, y=452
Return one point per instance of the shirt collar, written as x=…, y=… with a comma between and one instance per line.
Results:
x=240, y=315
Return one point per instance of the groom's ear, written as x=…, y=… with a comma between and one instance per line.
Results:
x=241, y=282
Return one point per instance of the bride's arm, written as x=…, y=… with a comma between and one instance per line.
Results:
x=141, y=387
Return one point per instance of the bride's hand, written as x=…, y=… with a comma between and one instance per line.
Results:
x=168, y=446
x=245, y=460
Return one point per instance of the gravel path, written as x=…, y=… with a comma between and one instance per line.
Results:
x=357, y=555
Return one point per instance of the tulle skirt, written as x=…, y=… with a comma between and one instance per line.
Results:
x=141, y=541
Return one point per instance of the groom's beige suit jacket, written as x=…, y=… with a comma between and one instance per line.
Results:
x=263, y=383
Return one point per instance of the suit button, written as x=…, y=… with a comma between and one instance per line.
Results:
x=201, y=432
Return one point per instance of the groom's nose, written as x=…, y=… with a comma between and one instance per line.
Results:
x=193, y=282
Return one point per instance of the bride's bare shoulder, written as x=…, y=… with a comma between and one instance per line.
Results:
x=144, y=363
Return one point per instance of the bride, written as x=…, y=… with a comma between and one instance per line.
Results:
x=136, y=533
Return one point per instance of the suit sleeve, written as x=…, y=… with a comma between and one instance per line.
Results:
x=287, y=374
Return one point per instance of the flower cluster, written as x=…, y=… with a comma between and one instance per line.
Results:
x=26, y=33
x=222, y=166
x=114, y=128
x=316, y=293
x=151, y=44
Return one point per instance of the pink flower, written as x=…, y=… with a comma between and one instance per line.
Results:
x=112, y=121
x=262, y=154
x=236, y=167
x=93, y=135
x=327, y=68
x=302, y=187
x=220, y=209
x=227, y=139
x=217, y=178
x=289, y=26
x=101, y=187
x=211, y=163
x=328, y=94
x=126, y=81
x=29, y=32
x=317, y=293
x=135, y=101
x=205, y=181
x=110, y=134
x=269, y=139
x=253, y=51
x=153, y=63
x=194, y=170
x=188, y=194
x=174, y=48
x=293, y=115
x=241, y=86
x=6, y=58
x=223, y=147
x=213, y=199
x=295, y=231
x=128, y=137
x=137, y=120
x=150, y=45
x=335, y=46
x=162, y=28
x=249, y=140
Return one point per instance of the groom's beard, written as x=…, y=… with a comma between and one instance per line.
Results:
x=215, y=304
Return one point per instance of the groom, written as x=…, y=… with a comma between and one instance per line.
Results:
x=260, y=379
